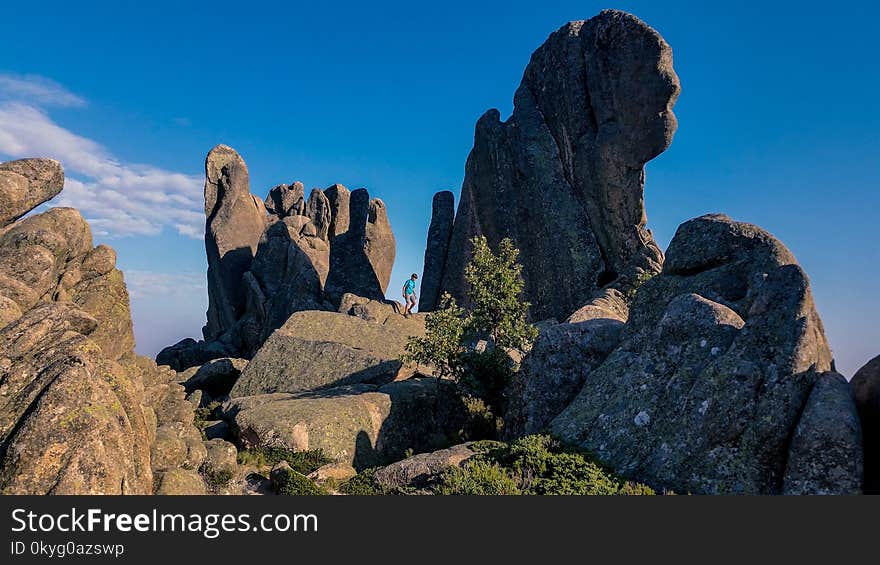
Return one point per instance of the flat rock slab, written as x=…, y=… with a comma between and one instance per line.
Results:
x=317, y=349
x=363, y=425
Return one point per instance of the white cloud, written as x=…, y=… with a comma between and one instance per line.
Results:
x=144, y=284
x=38, y=90
x=119, y=199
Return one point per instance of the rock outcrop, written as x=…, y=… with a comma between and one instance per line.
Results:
x=720, y=364
x=71, y=420
x=235, y=220
x=267, y=260
x=439, y=232
x=866, y=388
x=321, y=349
x=80, y=413
x=362, y=425
x=25, y=184
x=563, y=177
x=825, y=456
x=361, y=258
x=555, y=371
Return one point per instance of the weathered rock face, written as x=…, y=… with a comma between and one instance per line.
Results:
x=339, y=198
x=25, y=184
x=235, y=221
x=80, y=413
x=825, y=456
x=320, y=349
x=866, y=389
x=71, y=420
x=555, y=370
x=566, y=170
x=49, y=257
x=287, y=275
x=286, y=200
x=364, y=425
x=439, y=232
x=361, y=258
x=717, y=362
x=304, y=255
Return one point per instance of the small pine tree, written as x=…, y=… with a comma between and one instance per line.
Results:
x=495, y=285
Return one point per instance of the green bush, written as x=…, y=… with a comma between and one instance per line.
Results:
x=292, y=483
x=361, y=484
x=476, y=477
x=301, y=461
x=534, y=464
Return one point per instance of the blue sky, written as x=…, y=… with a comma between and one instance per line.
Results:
x=778, y=123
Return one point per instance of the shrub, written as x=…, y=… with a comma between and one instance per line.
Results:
x=476, y=477
x=535, y=464
x=361, y=484
x=442, y=345
x=481, y=422
x=217, y=478
x=301, y=461
x=292, y=483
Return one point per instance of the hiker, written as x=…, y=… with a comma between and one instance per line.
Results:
x=409, y=294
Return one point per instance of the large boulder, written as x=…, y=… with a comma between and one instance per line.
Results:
x=80, y=412
x=235, y=221
x=72, y=421
x=866, y=389
x=566, y=170
x=439, y=232
x=364, y=425
x=555, y=371
x=25, y=184
x=49, y=257
x=215, y=378
x=319, y=349
x=188, y=353
x=714, y=372
x=419, y=470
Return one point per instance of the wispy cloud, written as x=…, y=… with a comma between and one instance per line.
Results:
x=119, y=199
x=144, y=284
x=37, y=90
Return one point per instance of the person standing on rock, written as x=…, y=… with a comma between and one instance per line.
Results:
x=409, y=294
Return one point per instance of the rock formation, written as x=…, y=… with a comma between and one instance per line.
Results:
x=25, y=184
x=363, y=425
x=555, y=371
x=722, y=362
x=866, y=388
x=80, y=413
x=235, y=221
x=304, y=255
x=439, y=232
x=564, y=175
x=321, y=349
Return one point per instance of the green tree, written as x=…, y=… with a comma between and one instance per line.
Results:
x=443, y=343
x=495, y=286
x=496, y=316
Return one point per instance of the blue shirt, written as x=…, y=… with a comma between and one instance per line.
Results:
x=409, y=287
